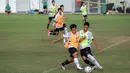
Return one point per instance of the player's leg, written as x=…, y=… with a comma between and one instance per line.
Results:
x=53, y=26
x=73, y=51
x=84, y=57
x=53, y=32
x=45, y=9
x=85, y=18
x=91, y=57
x=50, y=19
x=6, y=12
x=68, y=61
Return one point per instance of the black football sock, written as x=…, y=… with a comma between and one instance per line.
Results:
x=52, y=32
x=47, y=26
x=65, y=63
x=88, y=62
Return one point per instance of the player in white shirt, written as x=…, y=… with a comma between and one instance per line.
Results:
x=52, y=12
x=86, y=39
x=84, y=11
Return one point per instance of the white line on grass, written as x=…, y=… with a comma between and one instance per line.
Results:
x=47, y=71
x=111, y=46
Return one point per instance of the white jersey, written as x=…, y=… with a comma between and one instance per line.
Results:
x=84, y=10
x=53, y=10
x=89, y=36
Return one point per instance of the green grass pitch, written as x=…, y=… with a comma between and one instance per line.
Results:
x=26, y=48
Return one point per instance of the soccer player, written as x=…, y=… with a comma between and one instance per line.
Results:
x=72, y=44
x=85, y=49
x=84, y=11
x=45, y=6
x=8, y=9
x=59, y=26
x=62, y=7
x=52, y=13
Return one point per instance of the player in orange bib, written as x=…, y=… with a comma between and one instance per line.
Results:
x=59, y=25
x=72, y=44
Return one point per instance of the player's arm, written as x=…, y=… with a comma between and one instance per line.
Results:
x=96, y=44
x=59, y=39
x=81, y=39
x=57, y=22
x=86, y=4
x=81, y=9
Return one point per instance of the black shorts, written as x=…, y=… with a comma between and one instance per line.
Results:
x=50, y=18
x=85, y=15
x=85, y=51
x=44, y=7
x=59, y=29
x=72, y=50
x=7, y=11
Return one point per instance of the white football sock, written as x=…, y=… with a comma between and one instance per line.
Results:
x=76, y=62
x=94, y=61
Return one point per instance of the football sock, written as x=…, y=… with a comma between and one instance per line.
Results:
x=65, y=63
x=76, y=62
x=53, y=33
x=94, y=60
x=88, y=62
x=47, y=26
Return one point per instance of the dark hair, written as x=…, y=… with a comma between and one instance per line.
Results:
x=73, y=26
x=59, y=9
x=61, y=6
x=53, y=1
x=86, y=23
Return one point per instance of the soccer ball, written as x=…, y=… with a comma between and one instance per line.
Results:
x=88, y=69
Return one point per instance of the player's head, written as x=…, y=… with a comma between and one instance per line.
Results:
x=73, y=28
x=59, y=10
x=86, y=26
x=53, y=2
x=62, y=7
x=83, y=4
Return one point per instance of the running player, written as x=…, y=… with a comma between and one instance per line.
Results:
x=59, y=25
x=62, y=7
x=85, y=48
x=44, y=6
x=84, y=11
x=52, y=13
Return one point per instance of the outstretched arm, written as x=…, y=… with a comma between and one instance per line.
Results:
x=59, y=39
x=96, y=44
